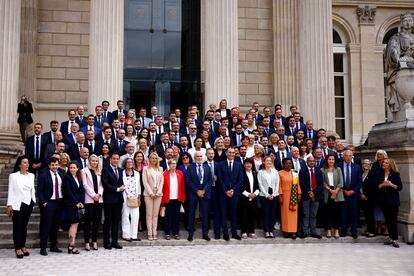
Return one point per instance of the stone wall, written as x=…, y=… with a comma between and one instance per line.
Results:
x=255, y=52
x=63, y=57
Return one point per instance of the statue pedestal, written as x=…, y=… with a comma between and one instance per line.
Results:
x=397, y=139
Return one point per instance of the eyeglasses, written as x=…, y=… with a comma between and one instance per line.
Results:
x=185, y=157
x=193, y=128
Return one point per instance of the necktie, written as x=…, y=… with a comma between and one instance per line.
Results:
x=159, y=129
x=238, y=140
x=37, y=149
x=348, y=177
x=184, y=149
x=283, y=155
x=104, y=115
x=309, y=134
x=199, y=172
x=84, y=163
x=116, y=173
x=120, y=144
x=265, y=150
x=230, y=166
x=318, y=163
x=292, y=130
x=313, y=179
x=142, y=122
x=122, y=125
x=56, y=187
x=91, y=145
x=340, y=155
x=153, y=139
x=90, y=128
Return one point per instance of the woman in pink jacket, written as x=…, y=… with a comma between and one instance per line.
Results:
x=91, y=178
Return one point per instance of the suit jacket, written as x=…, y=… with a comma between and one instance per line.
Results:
x=180, y=186
x=150, y=185
x=282, y=120
x=74, y=151
x=234, y=138
x=71, y=193
x=103, y=120
x=120, y=150
x=389, y=196
x=314, y=134
x=245, y=187
x=278, y=160
x=30, y=149
x=93, y=149
x=49, y=135
x=112, y=144
x=45, y=186
x=305, y=183
x=109, y=117
x=96, y=130
x=230, y=180
x=302, y=164
x=81, y=123
x=110, y=184
x=17, y=191
x=69, y=140
x=356, y=177
x=193, y=184
x=369, y=189
x=115, y=114
x=87, y=181
x=228, y=112
x=64, y=128
x=338, y=180
x=288, y=132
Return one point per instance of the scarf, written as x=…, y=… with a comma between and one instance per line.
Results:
x=294, y=192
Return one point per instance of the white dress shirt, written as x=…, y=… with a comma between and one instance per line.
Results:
x=52, y=174
x=173, y=186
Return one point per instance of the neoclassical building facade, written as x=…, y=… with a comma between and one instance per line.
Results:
x=326, y=56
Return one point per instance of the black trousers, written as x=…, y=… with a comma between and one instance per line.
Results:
x=172, y=217
x=247, y=215
x=368, y=207
x=111, y=225
x=269, y=212
x=333, y=214
x=143, y=214
x=93, y=214
x=20, y=220
x=49, y=223
x=390, y=213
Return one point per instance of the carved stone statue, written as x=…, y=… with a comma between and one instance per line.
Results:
x=399, y=66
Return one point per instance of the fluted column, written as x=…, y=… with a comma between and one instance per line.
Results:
x=221, y=52
x=285, y=51
x=316, y=63
x=9, y=69
x=106, y=44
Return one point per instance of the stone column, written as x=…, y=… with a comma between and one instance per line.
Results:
x=9, y=72
x=221, y=52
x=106, y=52
x=285, y=52
x=316, y=100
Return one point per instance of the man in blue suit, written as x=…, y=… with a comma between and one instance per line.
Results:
x=230, y=178
x=198, y=185
x=352, y=186
x=281, y=154
x=49, y=192
x=90, y=125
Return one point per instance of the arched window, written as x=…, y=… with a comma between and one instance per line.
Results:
x=341, y=86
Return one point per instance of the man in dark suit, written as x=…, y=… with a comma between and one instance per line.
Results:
x=184, y=145
x=98, y=118
x=230, y=177
x=323, y=144
x=215, y=192
x=75, y=149
x=49, y=192
x=153, y=135
x=120, y=142
x=297, y=162
x=311, y=184
x=50, y=135
x=106, y=114
x=309, y=131
x=113, y=200
x=163, y=145
x=35, y=147
x=237, y=135
x=121, y=109
x=81, y=118
x=70, y=138
x=278, y=115
x=319, y=160
x=65, y=127
x=298, y=121
x=290, y=129
x=90, y=125
x=213, y=126
x=168, y=155
x=198, y=182
x=352, y=186
x=281, y=154
x=91, y=143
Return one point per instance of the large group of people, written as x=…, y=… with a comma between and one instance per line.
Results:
x=262, y=170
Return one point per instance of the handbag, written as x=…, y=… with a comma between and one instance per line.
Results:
x=133, y=202
x=80, y=214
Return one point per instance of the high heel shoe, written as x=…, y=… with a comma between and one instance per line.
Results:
x=19, y=254
x=87, y=247
x=72, y=249
x=95, y=246
x=25, y=252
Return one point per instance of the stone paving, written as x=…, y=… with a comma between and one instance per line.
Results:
x=224, y=259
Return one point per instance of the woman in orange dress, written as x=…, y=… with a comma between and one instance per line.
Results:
x=289, y=198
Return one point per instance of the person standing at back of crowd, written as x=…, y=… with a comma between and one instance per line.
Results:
x=25, y=120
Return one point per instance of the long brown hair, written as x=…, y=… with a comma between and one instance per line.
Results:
x=78, y=175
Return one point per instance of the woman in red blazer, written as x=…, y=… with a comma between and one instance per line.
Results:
x=173, y=195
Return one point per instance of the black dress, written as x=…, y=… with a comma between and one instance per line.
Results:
x=72, y=194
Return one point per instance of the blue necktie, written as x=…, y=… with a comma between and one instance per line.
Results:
x=37, y=149
x=348, y=177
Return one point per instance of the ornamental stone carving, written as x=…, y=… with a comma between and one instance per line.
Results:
x=366, y=15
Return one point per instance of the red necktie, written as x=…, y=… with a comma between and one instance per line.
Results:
x=313, y=179
x=56, y=187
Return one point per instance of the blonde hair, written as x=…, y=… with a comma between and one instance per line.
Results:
x=218, y=139
x=98, y=170
x=157, y=166
x=64, y=154
x=393, y=165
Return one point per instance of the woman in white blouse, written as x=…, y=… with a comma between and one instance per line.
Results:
x=132, y=190
x=198, y=143
x=268, y=179
x=20, y=201
x=153, y=180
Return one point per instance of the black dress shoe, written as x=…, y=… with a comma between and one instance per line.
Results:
x=56, y=250
x=395, y=244
x=303, y=236
x=108, y=247
x=117, y=246
x=226, y=237
x=216, y=236
x=206, y=237
x=43, y=252
x=355, y=236
x=316, y=236
x=236, y=237
x=190, y=238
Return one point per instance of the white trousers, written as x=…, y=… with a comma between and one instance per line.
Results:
x=130, y=219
